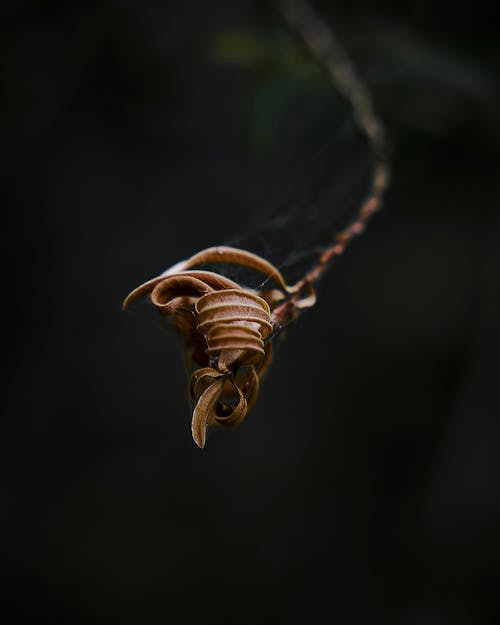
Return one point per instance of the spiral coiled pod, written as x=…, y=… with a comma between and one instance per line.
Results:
x=234, y=323
x=226, y=330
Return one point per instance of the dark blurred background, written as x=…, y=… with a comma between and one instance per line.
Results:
x=364, y=483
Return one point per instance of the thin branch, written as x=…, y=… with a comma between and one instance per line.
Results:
x=323, y=44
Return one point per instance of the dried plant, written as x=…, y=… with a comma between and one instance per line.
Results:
x=227, y=329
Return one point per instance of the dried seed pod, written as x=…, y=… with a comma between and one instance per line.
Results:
x=235, y=324
x=226, y=330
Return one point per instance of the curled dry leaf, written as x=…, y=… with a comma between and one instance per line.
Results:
x=226, y=329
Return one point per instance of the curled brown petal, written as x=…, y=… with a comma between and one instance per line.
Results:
x=175, y=286
x=237, y=413
x=205, y=411
x=198, y=377
x=273, y=296
x=308, y=299
x=249, y=383
x=141, y=290
x=214, y=280
x=224, y=254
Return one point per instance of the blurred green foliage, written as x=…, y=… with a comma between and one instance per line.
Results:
x=283, y=70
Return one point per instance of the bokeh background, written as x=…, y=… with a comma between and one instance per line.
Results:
x=364, y=483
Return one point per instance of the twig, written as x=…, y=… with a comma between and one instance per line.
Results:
x=323, y=44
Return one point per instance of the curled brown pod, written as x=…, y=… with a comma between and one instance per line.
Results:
x=235, y=324
x=226, y=330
